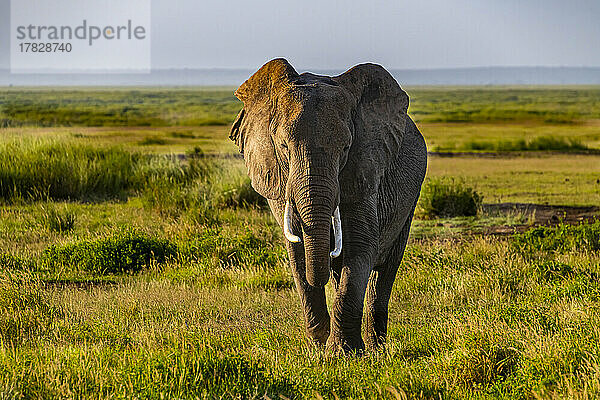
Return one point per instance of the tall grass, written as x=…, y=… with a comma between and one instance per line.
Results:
x=61, y=170
x=541, y=143
x=35, y=170
x=472, y=318
x=58, y=219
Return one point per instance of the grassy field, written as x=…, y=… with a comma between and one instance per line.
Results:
x=129, y=272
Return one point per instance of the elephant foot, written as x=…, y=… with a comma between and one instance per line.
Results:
x=376, y=343
x=319, y=333
x=346, y=345
x=376, y=338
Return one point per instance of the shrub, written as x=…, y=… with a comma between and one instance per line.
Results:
x=448, y=198
x=561, y=238
x=124, y=252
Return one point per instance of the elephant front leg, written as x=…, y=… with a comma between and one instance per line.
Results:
x=313, y=300
x=348, y=311
x=360, y=232
x=314, y=305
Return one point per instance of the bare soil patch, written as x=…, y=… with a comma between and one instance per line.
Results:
x=540, y=214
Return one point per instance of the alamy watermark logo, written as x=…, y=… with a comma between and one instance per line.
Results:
x=66, y=36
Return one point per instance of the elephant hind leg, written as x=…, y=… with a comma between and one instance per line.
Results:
x=379, y=290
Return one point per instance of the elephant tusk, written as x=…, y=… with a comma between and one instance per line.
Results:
x=337, y=233
x=287, y=222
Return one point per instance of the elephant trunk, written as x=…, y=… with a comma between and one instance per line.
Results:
x=315, y=204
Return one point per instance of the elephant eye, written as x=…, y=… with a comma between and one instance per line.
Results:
x=284, y=145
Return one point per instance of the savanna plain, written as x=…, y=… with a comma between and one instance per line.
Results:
x=136, y=260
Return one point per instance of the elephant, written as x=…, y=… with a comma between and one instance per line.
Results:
x=341, y=165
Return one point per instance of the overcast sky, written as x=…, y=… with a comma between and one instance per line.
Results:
x=396, y=33
x=326, y=34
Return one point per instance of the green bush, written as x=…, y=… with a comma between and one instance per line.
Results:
x=561, y=238
x=448, y=198
x=124, y=252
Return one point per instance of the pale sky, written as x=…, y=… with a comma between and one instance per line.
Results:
x=326, y=34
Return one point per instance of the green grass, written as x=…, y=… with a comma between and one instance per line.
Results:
x=560, y=239
x=124, y=252
x=57, y=170
x=539, y=179
x=117, y=107
x=542, y=143
x=214, y=106
x=449, y=137
x=129, y=272
x=546, y=105
x=469, y=319
x=58, y=219
x=172, y=120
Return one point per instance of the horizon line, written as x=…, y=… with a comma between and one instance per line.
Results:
x=330, y=69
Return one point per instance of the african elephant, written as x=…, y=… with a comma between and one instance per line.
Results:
x=341, y=165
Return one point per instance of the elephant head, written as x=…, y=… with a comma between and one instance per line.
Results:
x=314, y=141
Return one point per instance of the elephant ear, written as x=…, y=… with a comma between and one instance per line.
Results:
x=252, y=129
x=378, y=124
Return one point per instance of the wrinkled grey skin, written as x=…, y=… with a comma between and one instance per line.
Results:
x=320, y=142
